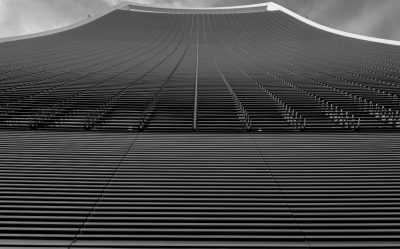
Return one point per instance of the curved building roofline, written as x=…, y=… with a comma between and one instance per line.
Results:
x=270, y=6
x=261, y=7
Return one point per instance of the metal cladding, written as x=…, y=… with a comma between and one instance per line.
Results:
x=199, y=190
x=224, y=70
x=202, y=102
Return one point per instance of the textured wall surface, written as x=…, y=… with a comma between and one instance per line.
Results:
x=114, y=190
x=238, y=71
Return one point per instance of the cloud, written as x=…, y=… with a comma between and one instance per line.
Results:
x=166, y=3
x=377, y=18
x=28, y=16
x=20, y=17
x=113, y=2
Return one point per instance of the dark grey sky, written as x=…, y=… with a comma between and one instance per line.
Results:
x=378, y=18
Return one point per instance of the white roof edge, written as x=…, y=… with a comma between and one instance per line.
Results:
x=271, y=6
x=258, y=5
x=124, y=5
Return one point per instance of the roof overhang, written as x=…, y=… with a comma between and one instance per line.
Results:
x=276, y=7
x=270, y=6
x=261, y=7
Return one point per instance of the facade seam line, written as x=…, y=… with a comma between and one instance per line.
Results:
x=289, y=209
x=100, y=197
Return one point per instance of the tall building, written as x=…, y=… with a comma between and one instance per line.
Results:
x=235, y=127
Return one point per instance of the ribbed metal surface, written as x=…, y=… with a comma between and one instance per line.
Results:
x=229, y=76
x=225, y=71
x=185, y=190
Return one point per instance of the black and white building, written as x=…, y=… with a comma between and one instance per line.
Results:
x=235, y=127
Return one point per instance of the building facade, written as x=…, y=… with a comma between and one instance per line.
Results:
x=237, y=127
